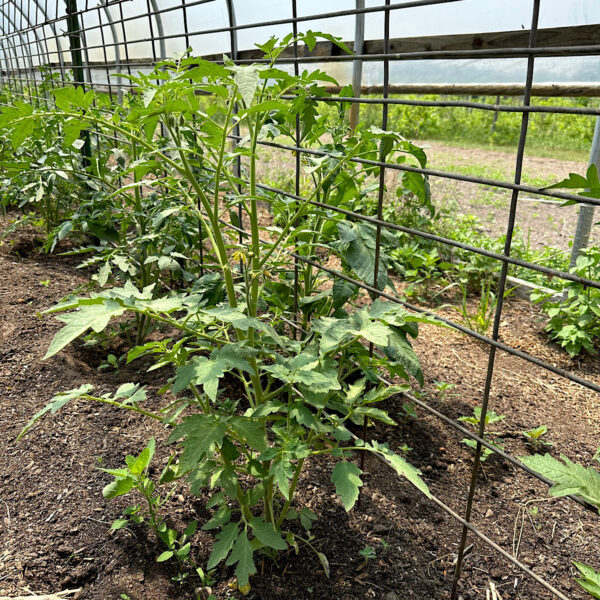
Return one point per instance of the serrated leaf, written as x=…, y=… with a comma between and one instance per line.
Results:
x=590, y=581
x=346, y=478
x=281, y=470
x=190, y=530
x=251, y=431
x=401, y=466
x=95, y=316
x=220, y=518
x=307, y=517
x=242, y=554
x=141, y=463
x=201, y=433
x=374, y=413
x=247, y=79
x=569, y=477
x=200, y=371
x=118, y=524
x=223, y=545
x=267, y=534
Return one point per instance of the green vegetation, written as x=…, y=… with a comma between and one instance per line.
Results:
x=572, y=478
x=554, y=135
x=490, y=418
x=157, y=204
x=535, y=438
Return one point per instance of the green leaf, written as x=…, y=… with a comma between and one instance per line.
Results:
x=590, y=580
x=242, y=554
x=55, y=405
x=143, y=460
x=578, y=182
x=324, y=563
x=21, y=131
x=400, y=351
x=358, y=249
x=342, y=291
x=72, y=131
x=95, y=316
x=247, y=79
x=403, y=468
x=201, y=371
x=282, y=472
x=118, y=487
x=201, y=433
x=251, y=431
x=373, y=331
x=225, y=540
x=204, y=68
x=570, y=477
x=307, y=517
x=375, y=413
x=190, y=530
x=118, y=524
x=266, y=534
x=346, y=477
x=166, y=555
x=222, y=516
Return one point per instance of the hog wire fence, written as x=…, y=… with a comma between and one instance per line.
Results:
x=87, y=43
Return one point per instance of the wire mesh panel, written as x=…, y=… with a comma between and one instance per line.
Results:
x=95, y=44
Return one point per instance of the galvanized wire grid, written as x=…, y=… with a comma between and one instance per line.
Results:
x=62, y=34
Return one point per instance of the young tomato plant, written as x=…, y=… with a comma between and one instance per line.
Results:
x=575, y=320
x=249, y=406
x=490, y=418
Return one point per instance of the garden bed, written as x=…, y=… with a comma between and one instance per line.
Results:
x=56, y=522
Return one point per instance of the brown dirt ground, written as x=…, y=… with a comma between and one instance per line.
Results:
x=543, y=222
x=55, y=522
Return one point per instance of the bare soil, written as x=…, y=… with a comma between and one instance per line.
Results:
x=542, y=221
x=54, y=528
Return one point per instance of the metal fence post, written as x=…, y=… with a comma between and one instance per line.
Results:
x=586, y=211
x=359, y=38
x=74, y=33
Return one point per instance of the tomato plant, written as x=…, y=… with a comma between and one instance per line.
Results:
x=174, y=173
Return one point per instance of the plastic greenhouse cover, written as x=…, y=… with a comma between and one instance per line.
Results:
x=466, y=16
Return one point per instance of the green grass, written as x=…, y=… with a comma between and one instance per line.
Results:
x=567, y=137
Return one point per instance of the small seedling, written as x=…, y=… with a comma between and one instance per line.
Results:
x=111, y=362
x=534, y=438
x=408, y=408
x=442, y=387
x=45, y=283
x=490, y=418
x=368, y=553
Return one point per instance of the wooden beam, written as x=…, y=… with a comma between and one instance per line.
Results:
x=556, y=37
x=571, y=90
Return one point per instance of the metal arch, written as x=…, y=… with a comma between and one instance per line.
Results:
x=161, y=30
x=113, y=32
x=34, y=29
x=12, y=50
x=52, y=25
x=7, y=60
x=20, y=34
